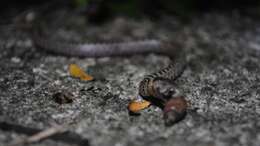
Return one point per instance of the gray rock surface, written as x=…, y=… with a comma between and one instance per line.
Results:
x=222, y=84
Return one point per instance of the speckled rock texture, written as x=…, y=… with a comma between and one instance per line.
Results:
x=222, y=84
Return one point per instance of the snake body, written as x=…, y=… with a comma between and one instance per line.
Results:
x=158, y=87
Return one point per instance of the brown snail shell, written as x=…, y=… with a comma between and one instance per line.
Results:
x=175, y=110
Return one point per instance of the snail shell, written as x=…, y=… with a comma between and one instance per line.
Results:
x=175, y=110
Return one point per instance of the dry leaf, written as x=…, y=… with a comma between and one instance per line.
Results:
x=77, y=72
x=137, y=105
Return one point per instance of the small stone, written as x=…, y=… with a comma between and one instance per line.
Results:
x=63, y=97
x=15, y=59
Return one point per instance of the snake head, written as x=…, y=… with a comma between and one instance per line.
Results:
x=158, y=91
x=164, y=90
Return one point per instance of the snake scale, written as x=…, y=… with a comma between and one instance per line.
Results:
x=157, y=88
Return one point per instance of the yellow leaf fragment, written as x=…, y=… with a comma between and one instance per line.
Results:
x=137, y=105
x=77, y=72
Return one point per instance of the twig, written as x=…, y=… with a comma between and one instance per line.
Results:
x=40, y=136
x=57, y=133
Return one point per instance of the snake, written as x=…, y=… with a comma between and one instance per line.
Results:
x=157, y=88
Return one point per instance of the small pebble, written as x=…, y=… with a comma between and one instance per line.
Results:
x=63, y=97
x=15, y=59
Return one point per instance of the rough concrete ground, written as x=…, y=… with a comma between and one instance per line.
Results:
x=222, y=84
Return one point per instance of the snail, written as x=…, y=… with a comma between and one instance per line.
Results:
x=160, y=90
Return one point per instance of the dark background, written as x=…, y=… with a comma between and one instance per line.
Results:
x=101, y=10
